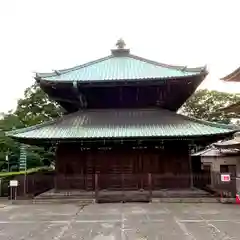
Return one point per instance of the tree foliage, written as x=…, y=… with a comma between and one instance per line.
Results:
x=34, y=108
x=207, y=105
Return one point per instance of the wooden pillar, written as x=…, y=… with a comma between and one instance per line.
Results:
x=120, y=95
x=122, y=183
x=137, y=94
x=56, y=167
x=96, y=187
x=150, y=185
x=190, y=165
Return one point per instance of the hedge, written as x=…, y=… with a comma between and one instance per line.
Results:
x=29, y=171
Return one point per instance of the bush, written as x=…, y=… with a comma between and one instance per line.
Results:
x=29, y=171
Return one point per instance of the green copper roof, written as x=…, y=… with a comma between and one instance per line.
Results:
x=121, y=123
x=121, y=65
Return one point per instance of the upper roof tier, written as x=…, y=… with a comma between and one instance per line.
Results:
x=233, y=77
x=121, y=65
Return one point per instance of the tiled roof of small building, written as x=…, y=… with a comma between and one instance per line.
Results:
x=215, y=152
x=121, y=123
x=233, y=108
x=233, y=76
x=230, y=144
x=120, y=65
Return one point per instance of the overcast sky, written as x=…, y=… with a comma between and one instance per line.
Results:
x=41, y=35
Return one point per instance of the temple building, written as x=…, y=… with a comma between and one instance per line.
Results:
x=121, y=124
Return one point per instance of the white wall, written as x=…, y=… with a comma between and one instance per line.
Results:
x=215, y=162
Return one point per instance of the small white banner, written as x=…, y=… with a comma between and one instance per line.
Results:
x=225, y=177
x=13, y=183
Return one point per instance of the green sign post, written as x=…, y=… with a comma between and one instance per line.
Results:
x=23, y=158
x=23, y=163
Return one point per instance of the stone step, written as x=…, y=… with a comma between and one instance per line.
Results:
x=64, y=201
x=122, y=198
x=63, y=197
x=185, y=200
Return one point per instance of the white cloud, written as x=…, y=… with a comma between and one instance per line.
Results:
x=42, y=35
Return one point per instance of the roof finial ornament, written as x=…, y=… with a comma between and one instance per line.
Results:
x=120, y=44
x=120, y=49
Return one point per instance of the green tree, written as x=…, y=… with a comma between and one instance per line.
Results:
x=36, y=107
x=33, y=109
x=7, y=145
x=207, y=105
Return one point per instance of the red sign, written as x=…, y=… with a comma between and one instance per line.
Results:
x=225, y=177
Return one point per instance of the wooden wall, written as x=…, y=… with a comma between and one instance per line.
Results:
x=76, y=168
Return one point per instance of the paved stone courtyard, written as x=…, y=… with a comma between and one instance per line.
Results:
x=120, y=221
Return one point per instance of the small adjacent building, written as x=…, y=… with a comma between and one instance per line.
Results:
x=234, y=108
x=217, y=161
x=230, y=145
x=121, y=125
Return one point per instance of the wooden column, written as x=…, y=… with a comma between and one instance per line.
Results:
x=190, y=165
x=56, y=167
x=150, y=185
x=96, y=187
x=122, y=183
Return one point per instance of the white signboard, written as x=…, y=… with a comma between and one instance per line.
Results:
x=225, y=177
x=13, y=183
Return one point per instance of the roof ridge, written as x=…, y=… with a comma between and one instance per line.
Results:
x=44, y=124
x=204, y=151
x=176, y=67
x=66, y=70
x=30, y=128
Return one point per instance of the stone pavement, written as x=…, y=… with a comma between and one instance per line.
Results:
x=120, y=221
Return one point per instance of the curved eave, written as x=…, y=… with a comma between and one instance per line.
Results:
x=175, y=67
x=232, y=128
x=202, y=75
x=233, y=77
x=49, y=141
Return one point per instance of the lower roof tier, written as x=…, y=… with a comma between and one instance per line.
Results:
x=121, y=123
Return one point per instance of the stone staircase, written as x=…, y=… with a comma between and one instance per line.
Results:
x=65, y=197
x=105, y=196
